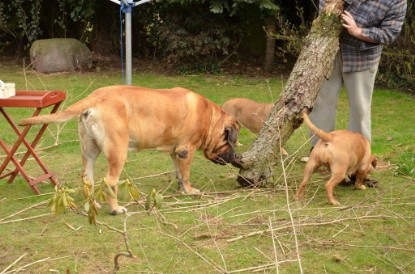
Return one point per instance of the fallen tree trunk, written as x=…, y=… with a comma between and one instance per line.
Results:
x=313, y=65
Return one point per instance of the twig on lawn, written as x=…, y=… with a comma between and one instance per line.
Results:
x=129, y=253
x=208, y=204
x=37, y=150
x=153, y=175
x=260, y=268
x=123, y=232
x=163, y=220
x=72, y=227
x=273, y=246
x=25, y=219
x=216, y=245
x=31, y=196
x=23, y=268
x=284, y=227
x=382, y=247
x=340, y=231
x=13, y=263
x=398, y=215
x=23, y=210
x=287, y=195
x=211, y=263
x=389, y=262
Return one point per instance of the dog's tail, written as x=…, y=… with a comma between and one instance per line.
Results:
x=61, y=116
x=319, y=132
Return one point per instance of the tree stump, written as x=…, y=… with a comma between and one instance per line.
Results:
x=313, y=65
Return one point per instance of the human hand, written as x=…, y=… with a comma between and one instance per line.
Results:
x=350, y=24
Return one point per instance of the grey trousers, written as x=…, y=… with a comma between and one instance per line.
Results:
x=359, y=87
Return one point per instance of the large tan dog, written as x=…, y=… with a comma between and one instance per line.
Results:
x=344, y=152
x=116, y=119
x=250, y=114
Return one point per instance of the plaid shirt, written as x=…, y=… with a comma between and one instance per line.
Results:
x=380, y=20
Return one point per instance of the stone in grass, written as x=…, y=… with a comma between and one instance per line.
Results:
x=59, y=55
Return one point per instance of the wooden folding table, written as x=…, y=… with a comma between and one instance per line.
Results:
x=28, y=99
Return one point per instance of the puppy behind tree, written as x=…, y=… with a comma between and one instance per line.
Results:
x=248, y=113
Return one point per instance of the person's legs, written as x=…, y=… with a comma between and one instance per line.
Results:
x=323, y=114
x=359, y=86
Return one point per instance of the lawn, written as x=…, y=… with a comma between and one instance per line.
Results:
x=227, y=229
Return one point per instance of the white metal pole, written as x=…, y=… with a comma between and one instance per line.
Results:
x=129, y=4
x=128, y=61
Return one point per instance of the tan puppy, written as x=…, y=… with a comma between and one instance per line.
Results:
x=115, y=119
x=344, y=152
x=249, y=113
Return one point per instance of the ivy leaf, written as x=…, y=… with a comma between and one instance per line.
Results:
x=158, y=200
x=133, y=191
x=148, y=203
x=109, y=190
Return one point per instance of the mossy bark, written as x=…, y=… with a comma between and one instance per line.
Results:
x=313, y=65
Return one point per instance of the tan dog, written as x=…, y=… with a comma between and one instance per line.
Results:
x=249, y=113
x=115, y=119
x=344, y=152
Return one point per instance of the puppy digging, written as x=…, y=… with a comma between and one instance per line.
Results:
x=345, y=153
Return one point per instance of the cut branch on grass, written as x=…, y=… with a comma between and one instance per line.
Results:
x=322, y=223
x=25, y=219
x=273, y=246
x=206, y=260
x=287, y=196
x=260, y=268
x=127, y=253
x=124, y=233
x=24, y=267
x=13, y=263
x=326, y=243
x=23, y=210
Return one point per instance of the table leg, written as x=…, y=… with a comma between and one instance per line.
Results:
x=30, y=151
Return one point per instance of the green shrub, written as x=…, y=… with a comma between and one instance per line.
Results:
x=396, y=68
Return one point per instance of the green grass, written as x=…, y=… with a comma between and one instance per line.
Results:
x=228, y=228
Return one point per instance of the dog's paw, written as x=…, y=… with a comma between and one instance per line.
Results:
x=191, y=190
x=298, y=197
x=360, y=187
x=334, y=203
x=118, y=210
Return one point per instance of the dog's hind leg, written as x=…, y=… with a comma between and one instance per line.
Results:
x=309, y=169
x=360, y=178
x=99, y=133
x=116, y=154
x=90, y=152
x=335, y=179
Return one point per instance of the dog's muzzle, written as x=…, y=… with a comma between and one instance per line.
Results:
x=224, y=158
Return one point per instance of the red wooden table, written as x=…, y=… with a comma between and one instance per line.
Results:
x=28, y=99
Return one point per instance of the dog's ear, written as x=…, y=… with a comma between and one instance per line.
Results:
x=232, y=135
x=374, y=162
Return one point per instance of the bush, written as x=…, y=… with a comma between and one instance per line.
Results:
x=396, y=68
x=193, y=40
